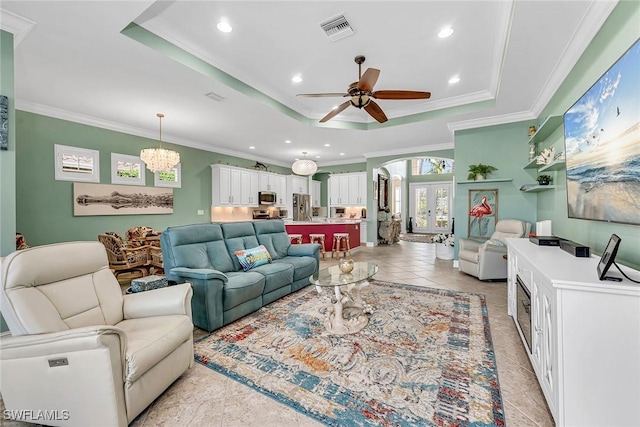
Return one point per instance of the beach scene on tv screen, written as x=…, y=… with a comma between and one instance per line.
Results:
x=602, y=146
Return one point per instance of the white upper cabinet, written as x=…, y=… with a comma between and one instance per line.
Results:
x=348, y=189
x=315, y=194
x=231, y=186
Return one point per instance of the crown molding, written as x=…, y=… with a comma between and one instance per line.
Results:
x=491, y=121
x=409, y=150
x=57, y=113
x=590, y=24
x=16, y=25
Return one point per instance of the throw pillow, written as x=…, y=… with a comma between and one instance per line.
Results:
x=251, y=258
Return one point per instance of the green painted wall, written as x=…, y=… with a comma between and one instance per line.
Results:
x=44, y=205
x=8, y=158
x=506, y=148
x=620, y=31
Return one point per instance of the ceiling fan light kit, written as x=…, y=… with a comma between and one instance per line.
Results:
x=304, y=166
x=160, y=159
x=360, y=94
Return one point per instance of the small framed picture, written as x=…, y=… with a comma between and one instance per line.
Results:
x=172, y=179
x=76, y=164
x=127, y=170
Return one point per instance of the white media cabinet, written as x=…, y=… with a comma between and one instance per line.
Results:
x=585, y=334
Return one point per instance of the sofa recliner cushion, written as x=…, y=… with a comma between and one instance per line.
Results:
x=149, y=341
x=303, y=266
x=276, y=275
x=219, y=256
x=193, y=255
x=273, y=235
x=241, y=287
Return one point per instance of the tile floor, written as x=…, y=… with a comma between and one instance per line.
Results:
x=202, y=397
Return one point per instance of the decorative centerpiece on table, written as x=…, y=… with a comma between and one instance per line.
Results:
x=479, y=172
x=444, y=245
x=345, y=265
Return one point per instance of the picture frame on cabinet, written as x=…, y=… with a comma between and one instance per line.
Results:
x=127, y=170
x=483, y=212
x=172, y=179
x=76, y=164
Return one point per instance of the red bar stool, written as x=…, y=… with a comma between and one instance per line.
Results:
x=340, y=244
x=318, y=238
x=295, y=238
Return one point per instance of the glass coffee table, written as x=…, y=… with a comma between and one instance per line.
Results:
x=347, y=310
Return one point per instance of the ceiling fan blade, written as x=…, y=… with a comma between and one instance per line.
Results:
x=376, y=112
x=400, y=94
x=335, y=112
x=368, y=79
x=321, y=95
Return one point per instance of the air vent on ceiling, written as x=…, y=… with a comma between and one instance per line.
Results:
x=337, y=27
x=214, y=96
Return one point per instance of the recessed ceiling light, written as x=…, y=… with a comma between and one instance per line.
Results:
x=327, y=145
x=297, y=78
x=224, y=26
x=445, y=32
x=252, y=147
x=288, y=141
x=453, y=80
x=317, y=157
x=342, y=154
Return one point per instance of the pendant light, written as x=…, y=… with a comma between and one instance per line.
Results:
x=160, y=159
x=304, y=166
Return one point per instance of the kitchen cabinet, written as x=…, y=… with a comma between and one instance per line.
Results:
x=231, y=186
x=315, y=194
x=297, y=184
x=348, y=189
x=273, y=182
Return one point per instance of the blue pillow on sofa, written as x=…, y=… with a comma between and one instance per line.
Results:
x=254, y=257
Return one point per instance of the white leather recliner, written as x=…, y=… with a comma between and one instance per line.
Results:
x=487, y=260
x=79, y=348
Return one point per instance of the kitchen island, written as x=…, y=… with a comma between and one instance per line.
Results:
x=327, y=228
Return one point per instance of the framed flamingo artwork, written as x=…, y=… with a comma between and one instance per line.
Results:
x=483, y=212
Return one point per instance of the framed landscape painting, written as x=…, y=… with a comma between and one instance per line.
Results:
x=483, y=213
x=105, y=199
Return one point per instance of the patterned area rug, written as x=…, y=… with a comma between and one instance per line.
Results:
x=425, y=358
x=417, y=237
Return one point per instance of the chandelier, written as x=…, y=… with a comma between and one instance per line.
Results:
x=304, y=166
x=160, y=159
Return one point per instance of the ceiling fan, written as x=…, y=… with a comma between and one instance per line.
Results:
x=362, y=91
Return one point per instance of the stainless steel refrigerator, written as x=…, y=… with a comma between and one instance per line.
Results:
x=301, y=207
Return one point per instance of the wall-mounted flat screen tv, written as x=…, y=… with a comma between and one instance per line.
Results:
x=602, y=145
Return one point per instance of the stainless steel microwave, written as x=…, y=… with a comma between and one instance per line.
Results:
x=267, y=197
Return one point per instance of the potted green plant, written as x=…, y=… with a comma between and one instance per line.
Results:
x=544, y=179
x=480, y=171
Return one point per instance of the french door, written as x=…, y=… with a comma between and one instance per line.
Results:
x=430, y=206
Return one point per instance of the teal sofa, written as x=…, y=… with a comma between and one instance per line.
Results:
x=203, y=254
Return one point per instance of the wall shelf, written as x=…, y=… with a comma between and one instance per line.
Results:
x=546, y=128
x=531, y=165
x=537, y=188
x=485, y=180
x=553, y=166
